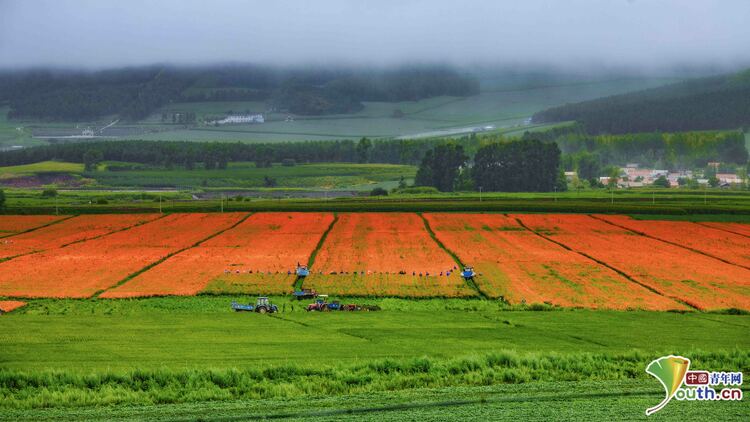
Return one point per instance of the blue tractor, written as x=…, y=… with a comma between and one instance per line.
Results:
x=302, y=271
x=262, y=305
x=468, y=273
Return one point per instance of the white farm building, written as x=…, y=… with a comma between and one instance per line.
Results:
x=241, y=118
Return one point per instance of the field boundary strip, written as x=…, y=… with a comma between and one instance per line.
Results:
x=615, y=269
x=299, y=281
x=453, y=255
x=445, y=404
x=640, y=233
x=721, y=229
x=159, y=261
x=82, y=240
x=40, y=227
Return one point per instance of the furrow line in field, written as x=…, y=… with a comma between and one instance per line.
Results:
x=640, y=233
x=615, y=269
x=81, y=240
x=299, y=281
x=39, y=227
x=159, y=261
x=453, y=255
x=722, y=229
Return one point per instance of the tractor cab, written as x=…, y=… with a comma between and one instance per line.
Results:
x=263, y=305
x=468, y=273
x=302, y=271
x=321, y=299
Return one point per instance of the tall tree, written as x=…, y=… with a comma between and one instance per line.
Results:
x=441, y=167
x=517, y=166
x=91, y=158
x=363, y=150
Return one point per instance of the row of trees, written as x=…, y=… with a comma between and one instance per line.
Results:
x=516, y=166
x=134, y=93
x=702, y=104
x=217, y=154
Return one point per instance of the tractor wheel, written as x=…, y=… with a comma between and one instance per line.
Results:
x=261, y=310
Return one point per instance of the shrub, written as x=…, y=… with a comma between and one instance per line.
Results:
x=49, y=193
x=378, y=192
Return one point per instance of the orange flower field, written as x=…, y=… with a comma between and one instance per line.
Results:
x=68, y=231
x=253, y=257
x=383, y=254
x=83, y=269
x=521, y=267
x=9, y=305
x=12, y=224
x=729, y=247
x=738, y=228
x=699, y=280
x=602, y=261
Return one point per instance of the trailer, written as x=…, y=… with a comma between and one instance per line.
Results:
x=305, y=294
x=262, y=306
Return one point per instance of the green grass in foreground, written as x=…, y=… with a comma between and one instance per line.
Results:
x=582, y=400
x=84, y=353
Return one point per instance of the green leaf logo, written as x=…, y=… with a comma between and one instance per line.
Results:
x=670, y=371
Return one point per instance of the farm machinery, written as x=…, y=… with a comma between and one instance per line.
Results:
x=468, y=273
x=262, y=305
x=321, y=304
x=302, y=271
x=305, y=294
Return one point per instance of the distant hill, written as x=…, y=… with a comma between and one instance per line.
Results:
x=719, y=102
x=134, y=93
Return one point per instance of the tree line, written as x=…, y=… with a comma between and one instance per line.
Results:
x=135, y=93
x=703, y=104
x=210, y=155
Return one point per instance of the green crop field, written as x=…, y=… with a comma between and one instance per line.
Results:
x=158, y=356
x=42, y=167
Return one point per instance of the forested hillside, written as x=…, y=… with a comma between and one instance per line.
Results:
x=721, y=102
x=134, y=93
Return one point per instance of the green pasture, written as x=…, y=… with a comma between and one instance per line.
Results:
x=247, y=175
x=506, y=107
x=70, y=357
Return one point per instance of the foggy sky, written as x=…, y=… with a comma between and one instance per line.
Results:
x=572, y=33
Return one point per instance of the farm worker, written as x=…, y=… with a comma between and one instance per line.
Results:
x=441, y=273
x=413, y=273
